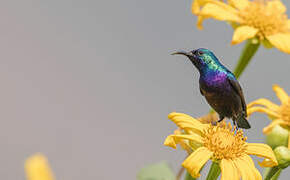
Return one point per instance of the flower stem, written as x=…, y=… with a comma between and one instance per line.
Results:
x=276, y=176
x=273, y=173
x=248, y=52
x=214, y=171
x=180, y=172
x=188, y=177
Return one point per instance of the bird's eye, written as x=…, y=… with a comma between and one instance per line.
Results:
x=199, y=53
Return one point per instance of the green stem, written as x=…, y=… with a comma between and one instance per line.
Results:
x=214, y=171
x=247, y=54
x=273, y=173
x=276, y=176
x=188, y=177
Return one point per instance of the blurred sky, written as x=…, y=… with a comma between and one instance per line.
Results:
x=90, y=83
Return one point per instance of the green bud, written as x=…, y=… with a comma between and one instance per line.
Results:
x=282, y=154
x=277, y=137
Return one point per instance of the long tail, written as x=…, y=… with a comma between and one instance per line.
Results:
x=242, y=122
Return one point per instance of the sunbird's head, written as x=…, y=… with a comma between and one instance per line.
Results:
x=201, y=57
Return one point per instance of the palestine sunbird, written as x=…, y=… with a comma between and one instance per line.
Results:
x=219, y=86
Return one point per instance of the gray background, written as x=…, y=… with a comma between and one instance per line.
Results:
x=90, y=83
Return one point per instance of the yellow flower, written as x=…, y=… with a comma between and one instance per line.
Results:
x=37, y=168
x=184, y=144
x=280, y=115
x=210, y=118
x=221, y=144
x=264, y=19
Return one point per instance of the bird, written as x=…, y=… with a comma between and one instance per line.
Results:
x=219, y=86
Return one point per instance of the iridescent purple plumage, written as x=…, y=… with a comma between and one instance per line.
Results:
x=219, y=86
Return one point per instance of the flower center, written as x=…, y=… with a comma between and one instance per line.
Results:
x=267, y=19
x=224, y=142
x=285, y=111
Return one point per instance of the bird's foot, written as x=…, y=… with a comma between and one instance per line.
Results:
x=221, y=118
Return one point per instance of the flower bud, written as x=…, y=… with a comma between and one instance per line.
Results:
x=277, y=137
x=282, y=154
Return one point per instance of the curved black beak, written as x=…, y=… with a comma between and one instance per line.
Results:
x=181, y=53
x=191, y=56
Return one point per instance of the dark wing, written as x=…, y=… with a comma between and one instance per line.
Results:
x=237, y=88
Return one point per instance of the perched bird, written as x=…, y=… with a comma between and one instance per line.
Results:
x=219, y=86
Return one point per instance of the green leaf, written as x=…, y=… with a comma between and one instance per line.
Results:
x=158, y=171
x=188, y=177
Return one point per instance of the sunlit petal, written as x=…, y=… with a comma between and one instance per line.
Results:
x=251, y=163
x=276, y=5
x=210, y=118
x=172, y=140
x=288, y=24
x=196, y=160
x=222, y=13
x=246, y=168
x=281, y=94
x=264, y=102
x=281, y=41
x=200, y=20
x=262, y=150
x=187, y=122
x=229, y=171
x=280, y=122
x=269, y=112
x=183, y=143
x=239, y=4
x=37, y=168
x=197, y=5
x=243, y=33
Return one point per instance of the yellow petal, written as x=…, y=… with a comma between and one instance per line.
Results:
x=288, y=24
x=184, y=145
x=187, y=122
x=228, y=169
x=197, y=4
x=247, y=168
x=281, y=94
x=264, y=102
x=196, y=160
x=281, y=41
x=262, y=150
x=239, y=4
x=210, y=118
x=243, y=33
x=280, y=122
x=200, y=20
x=172, y=140
x=269, y=112
x=195, y=7
x=276, y=5
x=37, y=168
x=220, y=12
